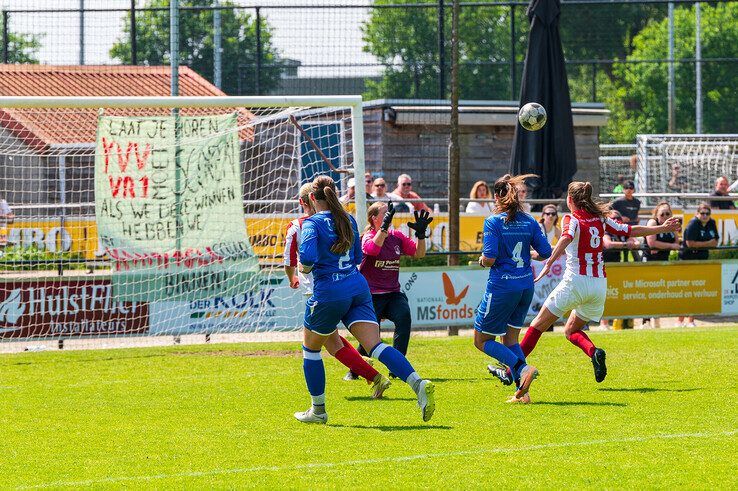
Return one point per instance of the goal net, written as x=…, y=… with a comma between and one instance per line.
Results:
x=134, y=221
x=684, y=164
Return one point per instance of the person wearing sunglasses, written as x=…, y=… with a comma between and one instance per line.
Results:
x=379, y=191
x=701, y=233
x=404, y=190
x=549, y=223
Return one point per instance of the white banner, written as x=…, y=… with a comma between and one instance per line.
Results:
x=730, y=288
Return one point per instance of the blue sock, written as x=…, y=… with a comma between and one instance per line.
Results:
x=312, y=365
x=505, y=355
x=515, y=348
x=395, y=361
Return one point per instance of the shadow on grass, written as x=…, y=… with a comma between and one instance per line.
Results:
x=578, y=403
x=369, y=398
x=646, y=390
x=395, y=427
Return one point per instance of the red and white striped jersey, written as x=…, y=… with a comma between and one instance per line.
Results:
x=584, y=254
x=291, y=248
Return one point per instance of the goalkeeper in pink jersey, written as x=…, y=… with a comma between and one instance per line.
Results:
x=380, y=266
x=343, y=351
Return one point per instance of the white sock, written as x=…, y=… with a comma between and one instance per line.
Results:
x=413, y=380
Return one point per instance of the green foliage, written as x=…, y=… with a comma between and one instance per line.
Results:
x=37, y=259
x=436, y=260
x=639, y=99
x=23, y=48
x=220, y=417
x=197, y=46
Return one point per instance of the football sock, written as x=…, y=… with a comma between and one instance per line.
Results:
x=579, y=338
x=515, y=348
x=312, y=365
x=394, y=360
x=529, y=341
x=503, y=354
x=353, y=360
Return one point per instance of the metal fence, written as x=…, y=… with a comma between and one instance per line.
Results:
x=401, y=49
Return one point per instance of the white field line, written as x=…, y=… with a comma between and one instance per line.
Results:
x=402, y=458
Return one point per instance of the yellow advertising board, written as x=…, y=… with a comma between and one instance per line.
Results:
x=663, y=289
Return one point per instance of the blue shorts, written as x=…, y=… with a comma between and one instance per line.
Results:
x=322, y=317
x=500, y=310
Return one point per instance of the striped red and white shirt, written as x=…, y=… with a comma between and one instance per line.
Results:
x=584, y=254
x=291, y=248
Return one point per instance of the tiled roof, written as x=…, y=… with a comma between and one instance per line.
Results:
x=41, y=128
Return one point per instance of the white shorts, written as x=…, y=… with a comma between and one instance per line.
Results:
x=584, y=295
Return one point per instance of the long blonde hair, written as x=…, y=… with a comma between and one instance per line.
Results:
x=324, y=189
x=475, y=187
x=506, y=194
x=655, y=214
x=581, y=194
x=371, y=212
x=549, y=207
x=304, y=195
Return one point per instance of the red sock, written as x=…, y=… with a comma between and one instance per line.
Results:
x=580, y=338
x=529, y=341
x=353, y=360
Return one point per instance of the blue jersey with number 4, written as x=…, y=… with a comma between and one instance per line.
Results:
x=335, y=276
x=510, y=243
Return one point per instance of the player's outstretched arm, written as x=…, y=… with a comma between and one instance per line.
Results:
x=673, y=224
x=561, y=246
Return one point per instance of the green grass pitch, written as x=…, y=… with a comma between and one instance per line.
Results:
x=221, y=416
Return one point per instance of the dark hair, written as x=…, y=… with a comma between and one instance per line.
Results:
x=629, y=185
x=324, y=189
x=581, y=194
x=506, y=194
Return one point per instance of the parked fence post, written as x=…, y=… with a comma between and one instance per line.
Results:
x=6, y=41
x=217, y=46
x=134, y=48
x=257, y=75
x=441, y=51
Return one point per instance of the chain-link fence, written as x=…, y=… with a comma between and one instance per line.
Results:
x=621, y=52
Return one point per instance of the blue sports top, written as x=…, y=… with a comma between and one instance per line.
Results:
x=510, y=243
x=335, y=276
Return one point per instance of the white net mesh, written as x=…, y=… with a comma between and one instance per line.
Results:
x=684, y=163
x=123, y=224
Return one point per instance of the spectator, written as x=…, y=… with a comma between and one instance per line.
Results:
x=522, y=195
x=677, y=182
x=615, y=246
x=368, y=181
x=701, y=233
x=659, y=246
x=404, y=190
x=479, y=190
x=629, y=206
x=549, y=223
x=380, y=191
x=6, y=218
x=350, y=194
x=721, y=189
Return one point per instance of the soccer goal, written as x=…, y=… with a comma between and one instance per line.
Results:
x=128, y=221
x=684, y=163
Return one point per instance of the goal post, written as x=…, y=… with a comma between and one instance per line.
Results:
x=125, y=218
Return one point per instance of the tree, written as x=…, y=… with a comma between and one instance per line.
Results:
x=405, y=40
x=197, y=46
x=639, y=101
x=23, y=48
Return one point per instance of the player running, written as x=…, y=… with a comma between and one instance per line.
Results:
x=331, y=249
x=342, y=350
x=583, y=288
x=508, y=237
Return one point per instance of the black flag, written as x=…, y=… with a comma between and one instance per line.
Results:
x=548, y=152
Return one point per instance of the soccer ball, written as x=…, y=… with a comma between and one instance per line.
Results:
x=532, y=116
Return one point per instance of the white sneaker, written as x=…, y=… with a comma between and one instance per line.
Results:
x=691, y=324
x=309, y=416
x=427, y=399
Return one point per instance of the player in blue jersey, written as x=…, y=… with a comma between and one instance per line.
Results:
x=509, y=235
x=330, y=247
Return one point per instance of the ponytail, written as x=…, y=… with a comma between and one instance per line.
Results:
x=581, y=194
x=372, y=212
x=324, y=189
x=506, y=194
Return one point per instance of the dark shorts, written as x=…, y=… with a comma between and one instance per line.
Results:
x=498, y=311
x=322, y=317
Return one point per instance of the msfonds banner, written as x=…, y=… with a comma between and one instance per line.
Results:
x=169, y=209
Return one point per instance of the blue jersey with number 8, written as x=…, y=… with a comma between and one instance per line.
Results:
x=335, y=276
x=510, y=243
